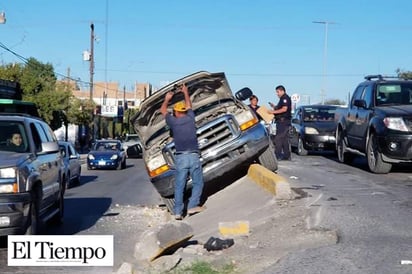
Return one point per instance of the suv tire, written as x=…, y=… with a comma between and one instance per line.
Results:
x=375, y=162
x=33, y=226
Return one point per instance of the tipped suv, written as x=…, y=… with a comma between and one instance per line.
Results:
x=31, y=175
x=229, y=133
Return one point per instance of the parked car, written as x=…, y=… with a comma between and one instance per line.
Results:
x=229, y=134
x=313, y=128
x=72, y=164
x=31, y=175
x=377, y=123
x=133, y=146
x=107, y=154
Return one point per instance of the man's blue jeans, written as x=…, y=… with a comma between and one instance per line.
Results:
x=187, y=164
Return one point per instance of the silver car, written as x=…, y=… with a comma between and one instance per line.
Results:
x=72, y=164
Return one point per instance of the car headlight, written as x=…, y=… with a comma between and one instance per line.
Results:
x=395, y=123
x=246, y=120
x=114, y=157
x=157, y=166
x=311, y=130
x=90, y=157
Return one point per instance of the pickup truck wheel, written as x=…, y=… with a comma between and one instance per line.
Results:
x=343, y=156
x=268, y=159
x=300, y=149
x=375, y=162
x=170, y=204
x=33, y=218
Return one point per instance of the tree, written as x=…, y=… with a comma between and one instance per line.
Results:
x=54, y=99
x=404, y=74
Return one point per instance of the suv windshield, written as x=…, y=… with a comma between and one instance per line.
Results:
x=394, y=94
x=13, y=137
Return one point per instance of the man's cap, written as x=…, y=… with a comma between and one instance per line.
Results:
x=180, y=106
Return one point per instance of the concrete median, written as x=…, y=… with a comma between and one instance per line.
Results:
x=270, y=181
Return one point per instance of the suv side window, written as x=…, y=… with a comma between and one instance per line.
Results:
x=36, y=137
x=357, y=94
x=367, y=95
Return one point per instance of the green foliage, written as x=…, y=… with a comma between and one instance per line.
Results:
x=54, y=100
x=201, y=267
x=404, y=74
x=334, y=102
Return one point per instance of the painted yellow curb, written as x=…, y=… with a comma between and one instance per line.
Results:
x=270, y=181
x=238, y=228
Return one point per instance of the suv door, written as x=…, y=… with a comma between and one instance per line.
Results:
x=48, y=165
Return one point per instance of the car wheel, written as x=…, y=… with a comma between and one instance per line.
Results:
x=119, y=166
x=77, y=179
x=67, y=181
x=33, y=226
x=375, y=162
x=300, y=149
x=89, y=167
x=170, y=204
x=124, y=164
x=343, y=157
x=268, y=159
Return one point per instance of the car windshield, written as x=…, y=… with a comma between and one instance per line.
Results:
x=13, y=137
x=394, y=94
x=319, y=114
x=106, y=146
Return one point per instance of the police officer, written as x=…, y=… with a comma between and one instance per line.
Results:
x=283, y=115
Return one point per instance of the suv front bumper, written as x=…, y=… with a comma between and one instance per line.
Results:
x=396, y=148
x=14, y=211
x=239, y=152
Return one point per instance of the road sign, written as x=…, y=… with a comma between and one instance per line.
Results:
x=295, y=98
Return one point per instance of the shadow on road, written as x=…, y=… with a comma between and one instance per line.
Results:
x=79, y=214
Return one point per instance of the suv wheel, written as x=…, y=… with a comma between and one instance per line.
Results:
x=58, y=218
x=375, y=162
x=343, y=156
x=33, y=218
x=300, y=149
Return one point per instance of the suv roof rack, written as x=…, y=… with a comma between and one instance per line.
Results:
x=380, y=77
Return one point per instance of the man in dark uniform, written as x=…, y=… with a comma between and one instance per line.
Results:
x=283, y=115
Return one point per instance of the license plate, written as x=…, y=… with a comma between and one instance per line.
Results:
x=102, y=163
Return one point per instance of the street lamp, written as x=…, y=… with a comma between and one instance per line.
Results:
x=325, y=54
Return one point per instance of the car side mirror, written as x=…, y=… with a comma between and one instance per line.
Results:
x=295, y=121
x=243, y=94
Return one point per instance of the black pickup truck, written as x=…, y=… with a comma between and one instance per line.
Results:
x=377, y=123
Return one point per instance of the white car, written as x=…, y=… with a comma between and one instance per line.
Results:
x=72, y=164
x=133, y=146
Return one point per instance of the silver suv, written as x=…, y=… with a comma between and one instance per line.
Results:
x=229, y=133
x=31, y=175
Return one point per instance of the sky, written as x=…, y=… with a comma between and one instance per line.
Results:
x=258, y=44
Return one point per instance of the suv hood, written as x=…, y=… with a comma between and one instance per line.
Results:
x=9, y=159
x=204, y=88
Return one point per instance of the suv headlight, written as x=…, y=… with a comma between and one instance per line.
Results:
x=395, y=123
x=8, y=183
x=311, y=130
x=157, y=166
x=7, y=173
x=246, y=120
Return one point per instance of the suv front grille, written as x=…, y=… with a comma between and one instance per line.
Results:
x=210, y=136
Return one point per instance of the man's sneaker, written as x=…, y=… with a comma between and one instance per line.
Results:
x=195, y=210
x=178, y=217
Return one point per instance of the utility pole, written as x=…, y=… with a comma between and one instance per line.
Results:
x=91, y=60
x=325, y=54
